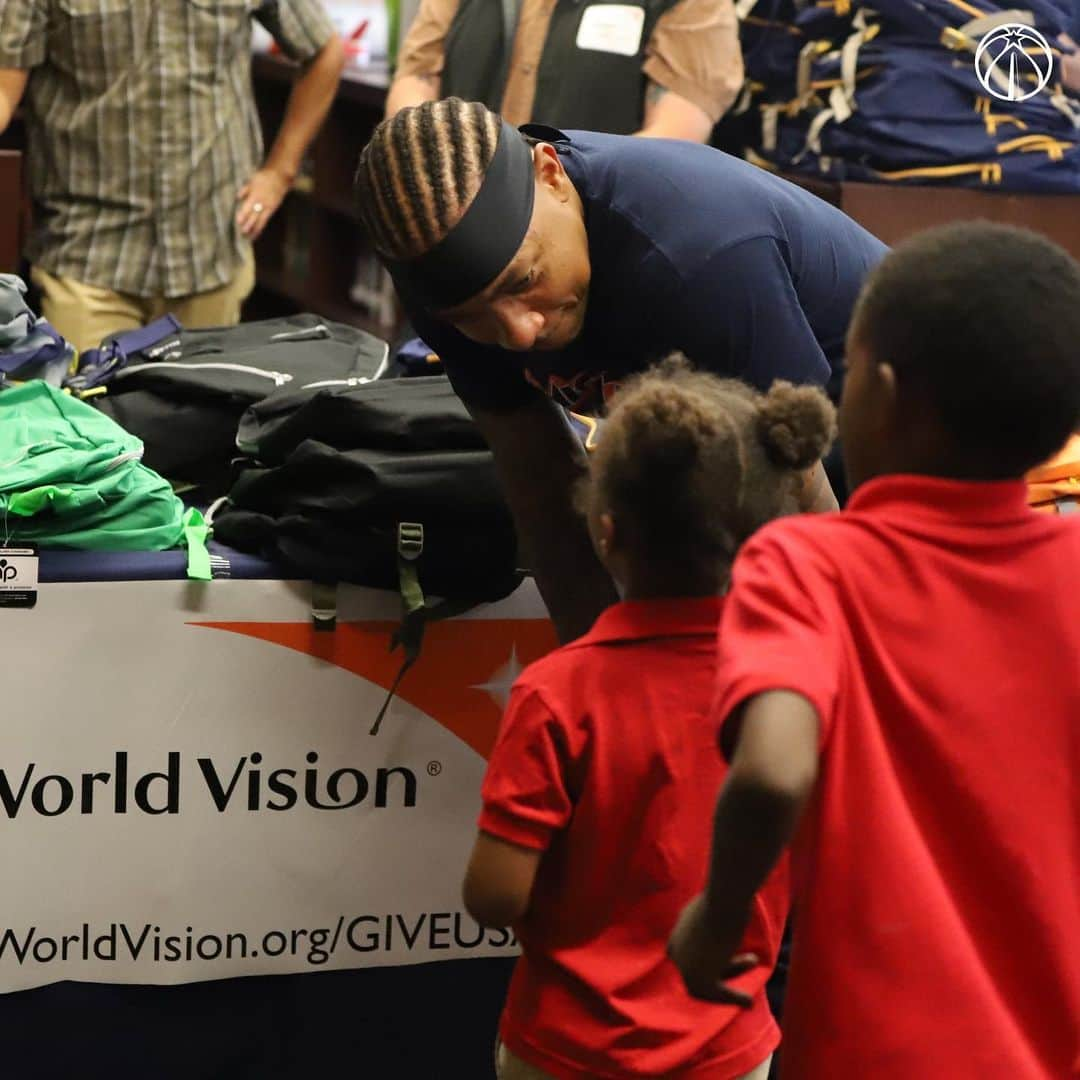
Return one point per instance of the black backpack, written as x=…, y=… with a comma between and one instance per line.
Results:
x=183, y=392
x=387, y=484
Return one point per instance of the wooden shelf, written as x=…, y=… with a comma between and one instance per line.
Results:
x=361, y=86
x=11, y=210
x=893, y=213
x=308, y=256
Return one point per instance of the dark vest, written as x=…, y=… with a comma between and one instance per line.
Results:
x=575, y=88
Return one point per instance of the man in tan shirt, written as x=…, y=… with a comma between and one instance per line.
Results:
x=681, y=59
x=145, y=153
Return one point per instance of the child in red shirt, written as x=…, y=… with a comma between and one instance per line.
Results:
x=902, y=681
x=594, y=827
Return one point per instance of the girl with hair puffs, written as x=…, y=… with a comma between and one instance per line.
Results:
x=597, y=799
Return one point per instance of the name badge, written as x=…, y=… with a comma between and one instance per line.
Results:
x=612, y=28
x=18, y=576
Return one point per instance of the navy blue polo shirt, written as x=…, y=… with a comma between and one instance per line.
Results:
x=691, y=249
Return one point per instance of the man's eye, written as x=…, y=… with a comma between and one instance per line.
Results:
x=524, y=283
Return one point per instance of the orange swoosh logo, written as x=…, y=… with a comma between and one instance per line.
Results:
x=460, y=680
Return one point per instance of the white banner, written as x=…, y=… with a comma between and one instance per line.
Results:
x=189, y=788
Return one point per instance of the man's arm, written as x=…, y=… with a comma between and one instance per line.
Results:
x=693, y=64
x=308, y=104
x=418, y=77
x=23, y=46
x=538, y=461
x=670, y=116
x=772, y=774
x=409, y=90
x=12, y=86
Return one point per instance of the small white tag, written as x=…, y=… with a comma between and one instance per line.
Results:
x=611, y=28
x=18, y=576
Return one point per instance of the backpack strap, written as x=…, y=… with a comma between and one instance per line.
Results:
x=41, y=343
x=196, y=534
x=417, y=612
x=97, y=366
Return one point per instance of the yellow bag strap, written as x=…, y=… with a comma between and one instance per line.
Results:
x=989, y=172
x=761, y=163
x=794, y=31
x=984, y=108
x=1053, y=148
x=970, y=9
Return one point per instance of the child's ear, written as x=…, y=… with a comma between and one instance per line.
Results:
x=605, y=535
x=892, y=403
x=886, y=373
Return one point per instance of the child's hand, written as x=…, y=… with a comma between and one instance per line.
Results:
x=704, y=958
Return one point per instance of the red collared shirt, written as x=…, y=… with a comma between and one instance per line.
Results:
x=936, y=877
x=606, y=762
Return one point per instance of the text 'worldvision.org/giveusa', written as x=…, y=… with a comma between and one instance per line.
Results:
x=356, y=934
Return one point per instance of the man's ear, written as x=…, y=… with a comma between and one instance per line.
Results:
x=549, y=170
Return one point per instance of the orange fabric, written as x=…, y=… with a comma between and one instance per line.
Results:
x=1064, y=464
x=458, y=679
x=1057, y=478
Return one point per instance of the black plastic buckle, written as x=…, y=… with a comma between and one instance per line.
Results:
x=410, y=540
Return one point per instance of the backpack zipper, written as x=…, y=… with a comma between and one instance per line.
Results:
x=356, y=380
x=280, y=377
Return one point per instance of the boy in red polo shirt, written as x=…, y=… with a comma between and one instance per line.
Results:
x=594, y=826
x=901, y=681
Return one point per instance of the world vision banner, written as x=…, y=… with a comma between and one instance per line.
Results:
x=189, y=786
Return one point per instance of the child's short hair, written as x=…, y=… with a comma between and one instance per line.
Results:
x=984, y=320
x=690, y=464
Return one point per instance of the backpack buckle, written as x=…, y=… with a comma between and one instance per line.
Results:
x=410, y=540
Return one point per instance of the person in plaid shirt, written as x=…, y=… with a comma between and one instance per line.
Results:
x=145, y=157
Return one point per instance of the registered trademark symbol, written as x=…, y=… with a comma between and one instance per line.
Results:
x=434, y=768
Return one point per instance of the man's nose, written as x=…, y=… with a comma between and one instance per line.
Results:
x=519, y=325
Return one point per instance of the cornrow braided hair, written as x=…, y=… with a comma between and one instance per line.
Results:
x=420, y=171
x=692, y=464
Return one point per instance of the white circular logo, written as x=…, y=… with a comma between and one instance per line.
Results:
x=1014, y=62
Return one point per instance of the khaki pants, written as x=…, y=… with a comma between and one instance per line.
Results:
x=86, y=314
x=509, y=1067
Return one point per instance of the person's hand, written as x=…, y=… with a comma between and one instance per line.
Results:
x=259, y=199
x=704, y=958
x=1070, y=64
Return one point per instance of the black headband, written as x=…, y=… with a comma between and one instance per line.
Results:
x=480, y=246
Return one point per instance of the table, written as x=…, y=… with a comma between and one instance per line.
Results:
x=193, y=761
